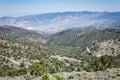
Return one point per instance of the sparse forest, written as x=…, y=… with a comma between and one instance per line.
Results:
x=63, y=52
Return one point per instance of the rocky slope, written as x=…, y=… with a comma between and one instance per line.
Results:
x=109, y=47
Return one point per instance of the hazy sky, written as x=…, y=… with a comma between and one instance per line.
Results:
x=28, y=7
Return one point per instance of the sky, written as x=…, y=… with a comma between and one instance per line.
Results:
x=30, y=7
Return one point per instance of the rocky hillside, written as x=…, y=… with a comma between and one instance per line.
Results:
x=109, y=47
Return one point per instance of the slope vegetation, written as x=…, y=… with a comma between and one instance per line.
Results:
x=78, y=38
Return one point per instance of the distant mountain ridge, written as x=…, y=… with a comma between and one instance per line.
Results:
x=56, y=22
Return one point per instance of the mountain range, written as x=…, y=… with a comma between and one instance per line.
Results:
x=85, y=42
x=56, y=22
